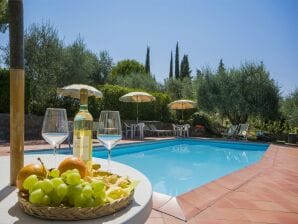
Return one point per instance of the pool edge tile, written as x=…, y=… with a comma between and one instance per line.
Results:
x=173, y=208
x=160, y=199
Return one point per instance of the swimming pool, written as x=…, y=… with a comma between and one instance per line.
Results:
x=177, y=166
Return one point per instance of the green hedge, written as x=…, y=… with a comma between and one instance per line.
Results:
x=157, y=110
x=4, y=91
x=5, y=94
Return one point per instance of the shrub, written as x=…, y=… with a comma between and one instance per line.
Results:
x=156, y=110
x=290, y=109
x=201, y=119
x=4, y=90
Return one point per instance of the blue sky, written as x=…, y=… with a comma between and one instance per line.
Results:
x=235, y=30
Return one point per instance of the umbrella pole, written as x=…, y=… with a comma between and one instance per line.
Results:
x=137, y=112
x=182, y=112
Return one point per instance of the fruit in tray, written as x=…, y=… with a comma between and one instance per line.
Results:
x=36, y=169
x=73, y=163
x=69, y=186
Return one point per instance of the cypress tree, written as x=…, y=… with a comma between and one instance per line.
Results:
x=147, y=62
x=199, y=73
x=221, y=67
x=184, y=70
x=171, y=66
x=177, y=73
x=187, y=69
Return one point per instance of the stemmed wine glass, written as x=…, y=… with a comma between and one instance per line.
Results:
x=109, y=131
x=55, y=127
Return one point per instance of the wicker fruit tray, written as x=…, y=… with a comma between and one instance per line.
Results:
x=73, y=213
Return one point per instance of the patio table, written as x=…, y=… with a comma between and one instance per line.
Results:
x=137, y=212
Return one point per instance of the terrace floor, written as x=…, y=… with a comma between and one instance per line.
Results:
x=266, y=192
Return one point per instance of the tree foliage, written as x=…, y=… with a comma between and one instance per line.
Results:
x=147, y=62
x=43, y=56
x=3, y=16
x=179, y=89
x=78, y=62
x=171, y=66
x=290, y=108
x=185, y=70
x=103, y=68
x=126, y=67
x=239, y=93
x=50, y=64
x=111, y=93
x=177, y=72
x=221, y=68
x=138, y=81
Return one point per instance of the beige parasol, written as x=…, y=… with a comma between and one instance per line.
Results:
x=74, y=91
x=137, y=97
x=182, y=105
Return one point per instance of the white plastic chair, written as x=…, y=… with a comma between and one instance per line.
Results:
x=141, y=129
x=186, y=128
x=175, y=130
x=178, y=130
x=128, y=129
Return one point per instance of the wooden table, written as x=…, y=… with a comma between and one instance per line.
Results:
x=136, y=213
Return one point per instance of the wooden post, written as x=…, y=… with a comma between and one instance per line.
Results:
x=16, y=44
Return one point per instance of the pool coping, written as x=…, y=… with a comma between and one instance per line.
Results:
x=127, y=144
x=190, y=204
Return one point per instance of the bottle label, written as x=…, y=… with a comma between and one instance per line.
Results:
x=81, y=147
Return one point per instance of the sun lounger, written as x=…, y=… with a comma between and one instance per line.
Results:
x=242, y=131
x=231, y=132
x=153, y=129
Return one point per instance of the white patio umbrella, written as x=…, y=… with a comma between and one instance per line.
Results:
x=182, y=105
x=74, y=91
x=137, y=97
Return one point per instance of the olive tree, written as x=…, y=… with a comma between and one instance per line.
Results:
x=43, y=57
x=239, y=93
x=290, y=108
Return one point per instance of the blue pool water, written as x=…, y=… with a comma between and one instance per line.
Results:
x=178, y=166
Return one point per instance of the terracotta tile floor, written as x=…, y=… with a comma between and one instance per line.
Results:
x=266, y=192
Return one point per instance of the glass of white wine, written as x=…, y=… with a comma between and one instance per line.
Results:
x=109, y=131
x=55, y=127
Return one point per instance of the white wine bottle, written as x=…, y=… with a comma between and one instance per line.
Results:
x=82, y=134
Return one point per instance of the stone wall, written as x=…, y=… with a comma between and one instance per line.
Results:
x=33, y=126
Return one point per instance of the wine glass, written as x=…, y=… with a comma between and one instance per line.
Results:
x=55, y=127
x=109, y=131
